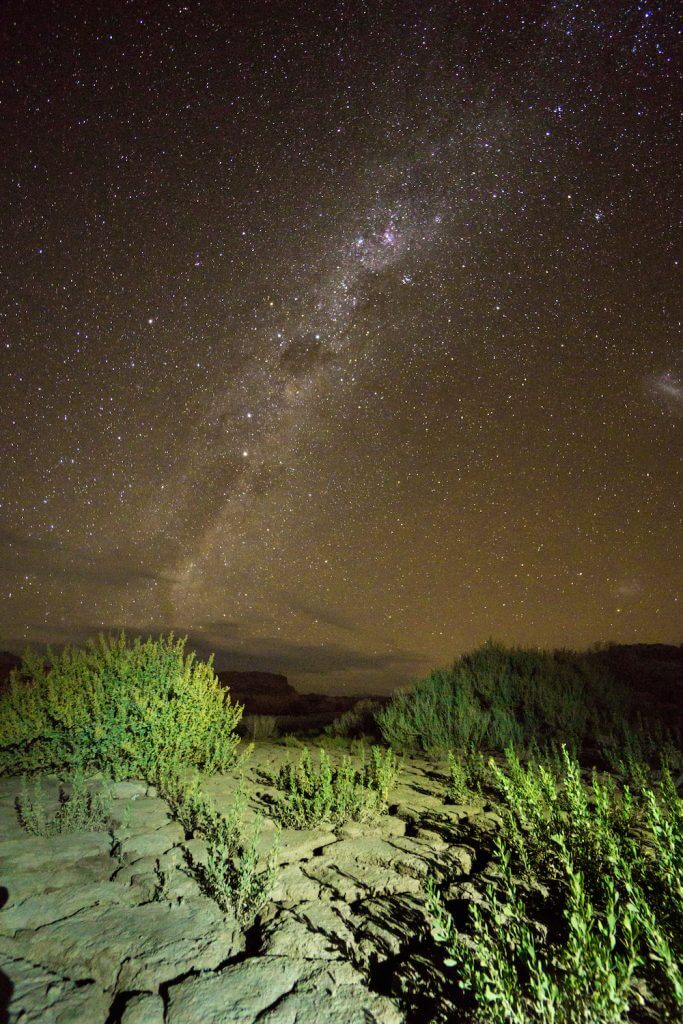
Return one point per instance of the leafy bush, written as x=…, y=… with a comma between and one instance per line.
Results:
x=357, y=721
x=231, y=875
x=81, y=809
x=188, y=804
x=497, y=697
x=334, y=794
x=632, y=747
x=127, y=709
x=607, y=937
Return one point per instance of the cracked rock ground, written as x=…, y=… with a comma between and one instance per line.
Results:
x=85, y=935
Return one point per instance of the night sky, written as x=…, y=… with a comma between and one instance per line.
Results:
x=340, y=336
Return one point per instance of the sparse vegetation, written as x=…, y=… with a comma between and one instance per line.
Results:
x=565, y=906
x=127, y=709
x=334, y=794
x=231, y=875
x=290, y=739
x=81, y=808
x=498, y=697
x=585, y=921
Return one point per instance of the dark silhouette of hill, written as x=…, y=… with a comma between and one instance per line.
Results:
x=269, y=693
x=262, y=693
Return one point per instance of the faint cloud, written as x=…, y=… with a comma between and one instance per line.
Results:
x=235, y=648
x=47, y=558
x=627, y=588
x=668, y=387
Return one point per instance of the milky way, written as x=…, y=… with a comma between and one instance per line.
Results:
x=341, y=340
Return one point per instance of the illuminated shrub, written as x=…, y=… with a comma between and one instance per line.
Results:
x=125, y=708
x=233, y=875
x=583, y=917
x=332, y=794
x=497, y=697
x=468, y=772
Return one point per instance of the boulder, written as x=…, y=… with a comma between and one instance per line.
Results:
x=279, y=990
x=140, y=947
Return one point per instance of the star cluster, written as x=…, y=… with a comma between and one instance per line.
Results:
x=340, y=338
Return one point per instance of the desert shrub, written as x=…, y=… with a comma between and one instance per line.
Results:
x=127, y=709
x=497, y=697
x=81, y=808
x=259, y=727
x=357, y=721
x=231, y=875
x=606, y=939
x=332, y=794
x=188, y=804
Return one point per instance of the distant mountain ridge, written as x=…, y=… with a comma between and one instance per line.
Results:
x=270, y=693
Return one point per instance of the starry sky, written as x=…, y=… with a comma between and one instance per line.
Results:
x=340, y=336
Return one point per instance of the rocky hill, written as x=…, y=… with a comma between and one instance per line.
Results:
x=269, y=693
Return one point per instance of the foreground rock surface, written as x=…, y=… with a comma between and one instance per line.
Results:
x=106, y=928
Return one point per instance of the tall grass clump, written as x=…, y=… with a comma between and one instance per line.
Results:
x=468, y=772
x=585, y=920
x=497, y=697
x=128, y=709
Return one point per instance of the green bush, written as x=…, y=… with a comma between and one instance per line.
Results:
x=634, y=746
x=126, y=709
x=331, y=794
x=497, y=697
x=81, y=808
x=231, y=876
x=606, y=939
